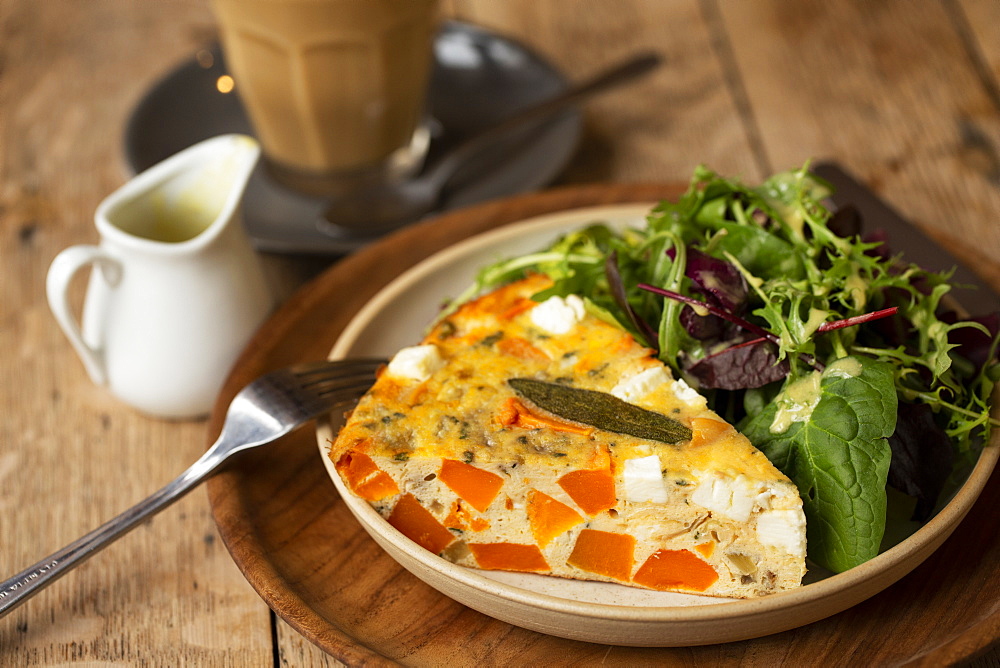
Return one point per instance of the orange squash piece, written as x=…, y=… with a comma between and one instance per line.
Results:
x=675, y=569
x=624, y=344
x=509, y=557
x=474, y=485
x=459, y=517
x=604, y=553
x=504, y=303
x=520, y=348
x=515, y=413
x=706, y=549
x=549, y=518
x=518, y=307
x=592, y=490
x=707, y=430
x=416, y=523
x=364, y=477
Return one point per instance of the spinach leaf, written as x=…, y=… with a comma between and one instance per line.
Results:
x=836, y=451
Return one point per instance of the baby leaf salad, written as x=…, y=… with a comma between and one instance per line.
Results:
x=841, y=362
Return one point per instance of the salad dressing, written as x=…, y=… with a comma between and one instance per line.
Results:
x=796, y=402
x=856, y=287
x=700, y=310
x=791, y=215
x=817, y=317
x=845, y=367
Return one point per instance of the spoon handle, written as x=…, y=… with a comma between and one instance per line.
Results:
x=614, y=76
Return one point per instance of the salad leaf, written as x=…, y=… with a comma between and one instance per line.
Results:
x=830, y=438
x=978, y=345
x=762, y=253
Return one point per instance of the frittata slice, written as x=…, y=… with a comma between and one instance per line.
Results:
x=452, y=455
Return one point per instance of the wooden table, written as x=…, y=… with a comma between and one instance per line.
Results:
x=905, y=94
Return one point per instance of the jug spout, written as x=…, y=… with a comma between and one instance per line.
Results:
x=187, y=196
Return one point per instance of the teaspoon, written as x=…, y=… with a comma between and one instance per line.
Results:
x=382, y=207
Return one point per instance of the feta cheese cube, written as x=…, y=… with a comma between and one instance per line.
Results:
x=686, y=393
x=557, y=315
x=783, y=528
x=734, y=498
x=644, y=480
x=416, y=362
x=639, y=385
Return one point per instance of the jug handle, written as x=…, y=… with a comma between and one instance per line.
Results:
x=62, y=270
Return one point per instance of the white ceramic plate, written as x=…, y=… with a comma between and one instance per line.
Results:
x=598, y=612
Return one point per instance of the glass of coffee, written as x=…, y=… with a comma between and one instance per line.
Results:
x=335, y=89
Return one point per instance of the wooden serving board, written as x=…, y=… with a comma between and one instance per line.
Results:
x=302, y=550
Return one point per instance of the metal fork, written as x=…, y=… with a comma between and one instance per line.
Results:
x=266, y=409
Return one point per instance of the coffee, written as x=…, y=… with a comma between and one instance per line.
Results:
x=331, y=86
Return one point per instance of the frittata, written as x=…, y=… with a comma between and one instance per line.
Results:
x=453, y=446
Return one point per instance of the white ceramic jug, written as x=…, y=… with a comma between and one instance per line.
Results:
x=176, y=289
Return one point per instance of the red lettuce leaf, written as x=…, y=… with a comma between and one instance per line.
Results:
x=721, y=283
x=747, y=365
x=701, y=327
x=845, y=222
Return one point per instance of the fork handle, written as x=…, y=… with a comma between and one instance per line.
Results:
x=33, y=579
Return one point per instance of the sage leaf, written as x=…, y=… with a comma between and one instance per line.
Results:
x=838, y=456
x=601, y=410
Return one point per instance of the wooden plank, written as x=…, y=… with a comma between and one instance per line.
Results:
x=72, y=456
x=656, y=130
x=295, y=650
x=982, y=20
x=887, y=89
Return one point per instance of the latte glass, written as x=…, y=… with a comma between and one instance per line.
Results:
x=335, y=89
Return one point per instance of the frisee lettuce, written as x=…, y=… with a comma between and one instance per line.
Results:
x=770, y=257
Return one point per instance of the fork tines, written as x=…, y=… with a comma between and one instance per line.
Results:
x=330, y=377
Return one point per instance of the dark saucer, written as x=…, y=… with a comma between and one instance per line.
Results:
x=479, y=77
